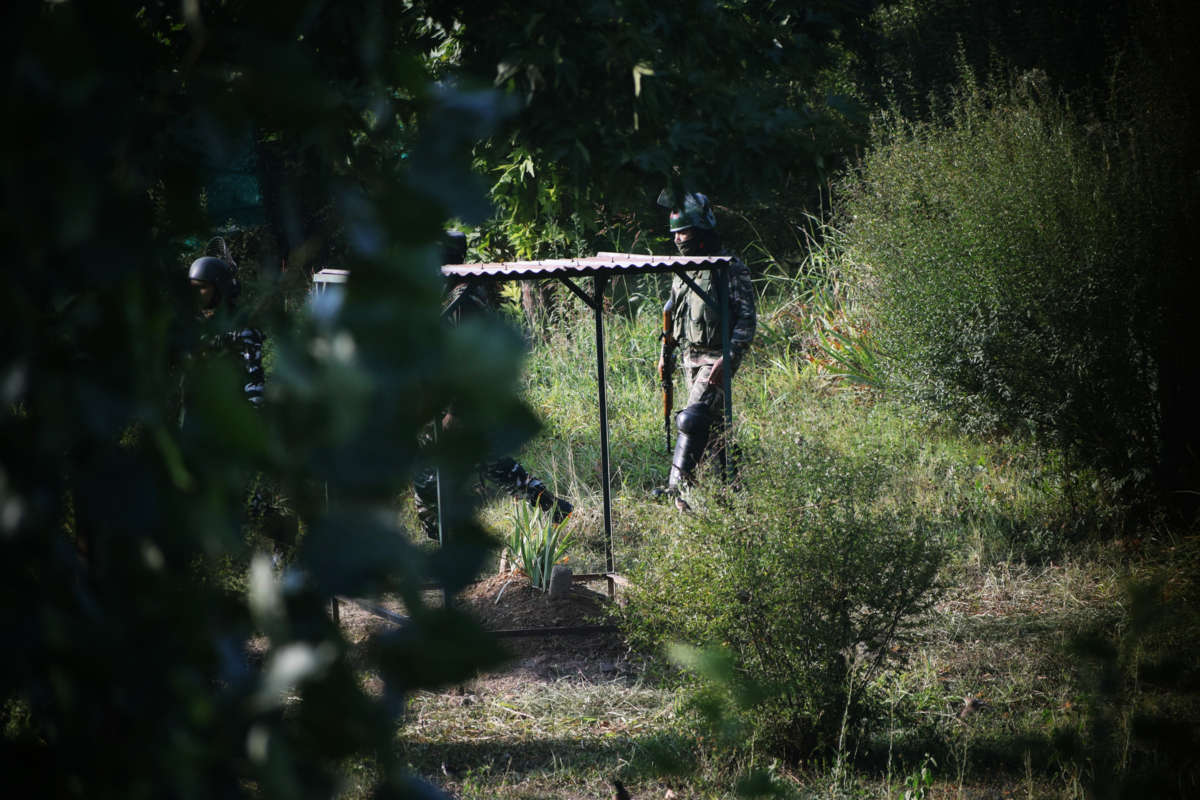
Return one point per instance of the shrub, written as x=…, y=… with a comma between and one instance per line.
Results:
x=807, y=581
x=1003, y=253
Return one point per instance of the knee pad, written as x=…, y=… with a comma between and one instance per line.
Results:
x=693, y=423
x=694, y=420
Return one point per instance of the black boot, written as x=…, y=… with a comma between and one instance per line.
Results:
x=510, y=475
x=693, y=423
x=538, y=495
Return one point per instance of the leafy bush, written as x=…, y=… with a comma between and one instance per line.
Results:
x=807, y=580
x=1005, y=260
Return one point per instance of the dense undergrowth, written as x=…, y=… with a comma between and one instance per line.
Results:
x=940, y=567
x=1012, y=275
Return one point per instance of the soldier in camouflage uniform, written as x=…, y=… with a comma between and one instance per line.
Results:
x=215, y=288
x=214, y=285
x=471, y=299
x=697, y=329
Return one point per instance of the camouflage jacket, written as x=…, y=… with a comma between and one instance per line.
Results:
x=698, y=325
x=246, y=346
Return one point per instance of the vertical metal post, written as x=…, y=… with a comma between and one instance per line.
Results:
x=441, y=505
x=602, y=381
x=437, y=485
x=335, y=608
x=724, y=285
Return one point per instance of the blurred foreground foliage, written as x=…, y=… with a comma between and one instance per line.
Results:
x=1140, y=686
x=127, y=671
x=310, y=134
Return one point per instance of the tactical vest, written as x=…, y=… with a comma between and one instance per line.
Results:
x=696, y=323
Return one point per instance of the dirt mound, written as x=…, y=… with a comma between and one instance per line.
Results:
x=508, y=602
x=503, y=602
x=587, y=652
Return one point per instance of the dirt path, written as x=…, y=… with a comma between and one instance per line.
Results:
x=560, y=719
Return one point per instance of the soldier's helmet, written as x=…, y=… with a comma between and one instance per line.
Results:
x=696, y=213
x=217, y=272
x=454, y=247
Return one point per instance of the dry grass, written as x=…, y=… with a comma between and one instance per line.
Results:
x=986, y=685
x=534, y=732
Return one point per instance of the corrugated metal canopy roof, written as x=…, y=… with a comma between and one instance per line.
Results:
x=599, y=264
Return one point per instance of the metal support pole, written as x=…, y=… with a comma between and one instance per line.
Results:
x=600, y=281
x=437, y=485
x=723, y=289
x=580, y=293
x=335, y=610
x=441, y=505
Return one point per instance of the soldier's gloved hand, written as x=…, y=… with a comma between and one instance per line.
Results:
x=716, y=378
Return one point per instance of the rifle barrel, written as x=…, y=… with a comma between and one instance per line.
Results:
x=668, y=368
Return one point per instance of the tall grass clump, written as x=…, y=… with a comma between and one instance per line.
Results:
x=806, y=581
x=536, y=543
x=1003, y=253
x=815, y=316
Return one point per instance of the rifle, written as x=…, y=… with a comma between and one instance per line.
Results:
x=667, y=369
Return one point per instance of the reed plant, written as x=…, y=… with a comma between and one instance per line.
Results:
x=816, y=313
x=536, y=543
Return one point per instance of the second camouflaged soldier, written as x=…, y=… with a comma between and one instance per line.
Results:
x=215, y=288
x=697, y=329
x=467, y=299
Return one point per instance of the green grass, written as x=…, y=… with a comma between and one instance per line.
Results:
x=1030, y=569
x=537, y=739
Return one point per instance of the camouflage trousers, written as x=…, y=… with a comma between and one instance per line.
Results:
x=697, y=367
x=504, y=474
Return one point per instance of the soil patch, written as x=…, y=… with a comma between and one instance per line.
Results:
x=507, y=602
